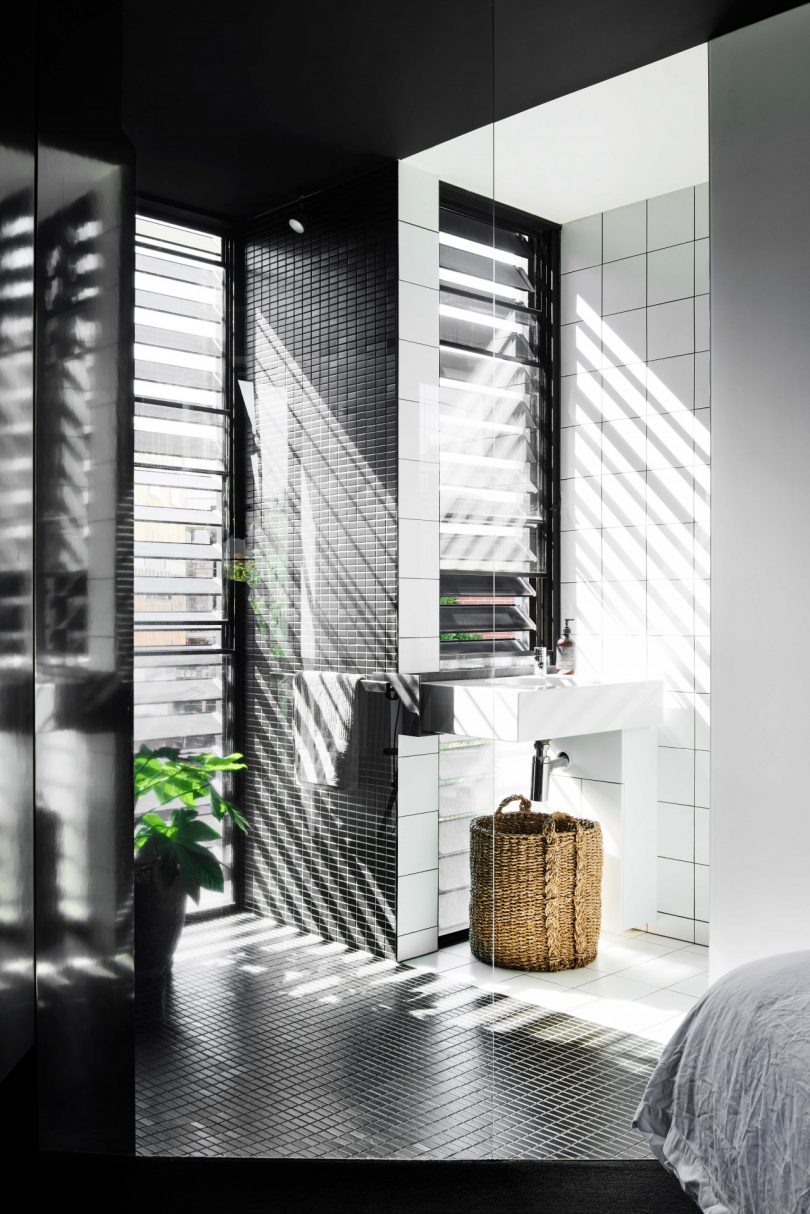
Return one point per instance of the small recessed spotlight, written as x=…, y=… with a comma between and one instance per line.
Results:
x=296, y=225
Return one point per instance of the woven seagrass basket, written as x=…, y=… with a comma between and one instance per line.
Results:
x=535, y=898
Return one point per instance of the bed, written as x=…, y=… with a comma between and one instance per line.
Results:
x=727, y=1109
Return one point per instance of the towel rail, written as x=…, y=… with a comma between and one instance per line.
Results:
x=372, y=683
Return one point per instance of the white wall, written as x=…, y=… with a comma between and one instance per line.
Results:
x=760, y=199
x=633, y=136
x=635, y=414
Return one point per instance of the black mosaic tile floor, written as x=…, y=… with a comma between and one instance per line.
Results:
x=272, y=1043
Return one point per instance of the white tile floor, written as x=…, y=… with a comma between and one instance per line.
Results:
x=639, y=983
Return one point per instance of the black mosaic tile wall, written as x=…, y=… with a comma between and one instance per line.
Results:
x=320, y=474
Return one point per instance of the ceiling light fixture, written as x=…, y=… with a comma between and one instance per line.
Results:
x=296, y=221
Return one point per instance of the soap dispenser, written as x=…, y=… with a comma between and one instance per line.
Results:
x=566, y=651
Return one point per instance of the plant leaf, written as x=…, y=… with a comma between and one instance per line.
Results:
x=221, y=807
x=217, y=805
x=199, y=869
x=154, y=822
x=181, y=816
x=225, y=763
x=168, y=777
x=196, y=832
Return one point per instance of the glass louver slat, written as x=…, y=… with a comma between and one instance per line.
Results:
x=467, y=502
x=458, y=468
x=156, y=329
x=494, y=615
x=178, y=237
x=147, y=296
x=484, y=370
x=177, y=539
x=472, y=550
x=192, y=608
x=178, y=437
x=499, y=277
x=464, y=652
x=486, y=325
x=491, y=441
x=183, y=637
x=169, y=265
x=492, y=239
x=175, y=292
x=466, y=585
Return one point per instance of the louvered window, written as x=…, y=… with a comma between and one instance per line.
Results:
x=498, y=288
x=183, y=633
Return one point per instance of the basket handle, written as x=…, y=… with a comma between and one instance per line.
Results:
x=552, y=904
x=550, y=824
x=525, y=803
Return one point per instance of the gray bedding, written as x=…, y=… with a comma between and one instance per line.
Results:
x=728, y=1106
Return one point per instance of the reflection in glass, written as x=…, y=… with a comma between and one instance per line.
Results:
x=16, y=553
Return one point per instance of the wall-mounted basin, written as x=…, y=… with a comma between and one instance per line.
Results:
x=522, y=708
x=544, y=681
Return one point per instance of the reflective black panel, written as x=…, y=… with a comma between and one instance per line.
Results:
x=83, y=587
x=17, y=175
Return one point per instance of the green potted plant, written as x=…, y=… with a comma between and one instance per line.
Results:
x=172, y=862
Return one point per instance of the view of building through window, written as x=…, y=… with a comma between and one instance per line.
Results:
x=183, y=634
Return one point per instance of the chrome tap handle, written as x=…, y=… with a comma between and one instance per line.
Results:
x=542, y=767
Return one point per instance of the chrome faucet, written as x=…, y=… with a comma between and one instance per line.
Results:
x=541, y=658
x=542, y=767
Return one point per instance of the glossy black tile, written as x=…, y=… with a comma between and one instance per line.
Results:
x=273, y=1043
x=320, y=473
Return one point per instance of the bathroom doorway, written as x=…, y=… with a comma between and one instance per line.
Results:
x=466, y=402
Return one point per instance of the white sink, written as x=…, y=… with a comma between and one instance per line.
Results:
x=544, y=681
x=520, y=709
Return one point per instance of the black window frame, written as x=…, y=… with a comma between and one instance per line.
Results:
x=545, y=234
x=160, y=210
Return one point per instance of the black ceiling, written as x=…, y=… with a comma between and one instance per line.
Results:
x=237, y=107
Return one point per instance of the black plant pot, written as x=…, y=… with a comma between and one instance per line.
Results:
x=159, y=918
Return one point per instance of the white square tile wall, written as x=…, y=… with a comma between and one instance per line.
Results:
x=417, y=902
x=635, y=412
x=418, y=527
x=623, y=285
x=581, y=244
x=624, y=231
x=418, y=421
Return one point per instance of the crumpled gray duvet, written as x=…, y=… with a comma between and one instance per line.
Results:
x=728, y=1106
